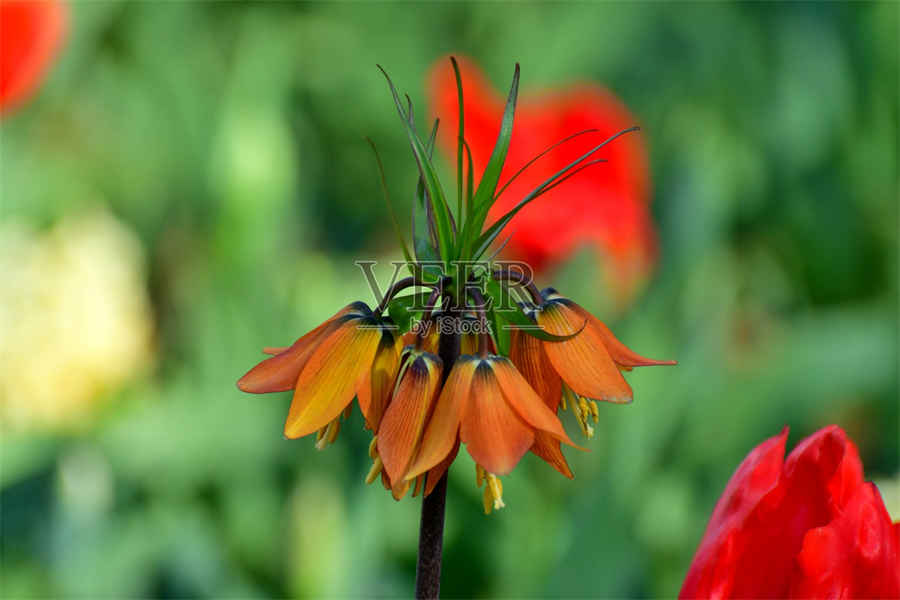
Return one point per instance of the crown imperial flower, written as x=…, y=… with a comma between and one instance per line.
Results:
x=477, y=368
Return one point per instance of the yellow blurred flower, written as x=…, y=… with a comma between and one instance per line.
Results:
x=75, y=319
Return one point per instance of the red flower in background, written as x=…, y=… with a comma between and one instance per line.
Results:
x=605, y=206
x=805, y=527
x=30, y=34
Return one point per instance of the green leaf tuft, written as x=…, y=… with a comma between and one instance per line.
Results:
x=484, y=195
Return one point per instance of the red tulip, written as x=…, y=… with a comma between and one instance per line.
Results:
x=807, y=527
x=30, y=34
x=604, y=207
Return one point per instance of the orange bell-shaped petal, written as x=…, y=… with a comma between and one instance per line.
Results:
x=527, y=354
x=375, y=392
x=493, y=410
x=525, y=401
x=620, y=353
x=437, y=471
x=279, y=373
x=549, y=449
x=401, y=429
x=442, y=431
x=495, y=436
x=582, y=361
x=333, y=374
x=432, y=476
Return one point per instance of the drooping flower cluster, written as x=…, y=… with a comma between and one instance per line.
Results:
x=805, y=527
x=493, y=380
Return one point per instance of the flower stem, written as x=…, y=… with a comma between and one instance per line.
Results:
x=519, y=279
x=406, y=282
x=431, y=526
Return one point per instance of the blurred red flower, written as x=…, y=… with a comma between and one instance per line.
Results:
x=604, y=207
x=807, y=527
x=31, y=32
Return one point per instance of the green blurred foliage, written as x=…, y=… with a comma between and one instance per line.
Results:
x=230, y=138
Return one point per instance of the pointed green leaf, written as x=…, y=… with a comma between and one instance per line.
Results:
x=484, y=195
x=423, y=226
x=539, y=156
x=433, y=192
x=485, y=240
x=491, y=234
x=429, y=147
x=460, y=138
x=387, y=199
x=470, y=178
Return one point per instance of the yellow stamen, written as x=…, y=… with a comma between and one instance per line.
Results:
x=595, y=411
x=494, y=492
x=375, y=471
x=583, y=412
x=333, y=429
x=373, y=447
x=328, y=434
x=562, y=402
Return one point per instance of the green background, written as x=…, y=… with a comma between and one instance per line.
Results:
x=229, y=137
